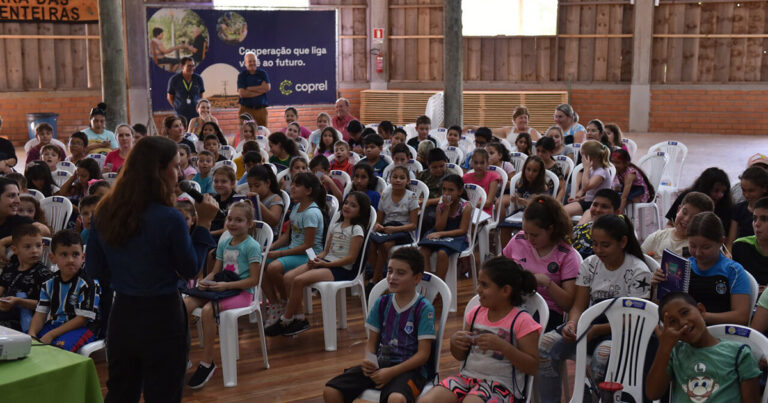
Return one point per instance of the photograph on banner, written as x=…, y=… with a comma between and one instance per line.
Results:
x=175, y=33
x=300, y=63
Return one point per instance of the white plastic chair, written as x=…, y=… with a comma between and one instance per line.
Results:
x=284, y=175
x=286, y=209
x=454, y=169
x=575, y=185
x=466, y=144
x=380, y=185
x=518, y=160
x=631, y=146
x=33, y=142
x=454, y=154
x=566, y=165
x=756, y=341
x=66, y=166
x=632, y=321
x=229, y=345
x=435, y=109
x=430, y=287
x=225, y=163
x=36, y=194
x=483, y=235
x=414, y=167
x=476, y=197
x=99, y=158
x=653, y=165
x=333, y=206
x=344, y=179
x=263, y=141
x=57, y=210
x=227, y=151
x=670, y=181
x=534, y=304
x=754, y=293
x=335, y=302
x=110, y=177
x=422, y=193
x=302, y=144
x=509, y=146
x=60, y=176
x=439, y=134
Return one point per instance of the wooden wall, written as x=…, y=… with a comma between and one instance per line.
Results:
x=710, y=42
x=36, y=56
x=353, y=37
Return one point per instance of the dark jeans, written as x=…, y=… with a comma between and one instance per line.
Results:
x=147, y=346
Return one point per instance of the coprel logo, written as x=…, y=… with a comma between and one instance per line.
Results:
x=287, y=87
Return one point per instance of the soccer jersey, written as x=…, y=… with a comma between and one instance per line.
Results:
x=491, y=365
x=582, y=239
x=748, y=254
x=401, y=328
x=560, y=264
x=710, y=374
x=238, y=258
x=67, y=300
x=713, y=287
x=631, y=279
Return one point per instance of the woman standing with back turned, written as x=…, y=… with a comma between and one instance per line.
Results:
x=140, y=246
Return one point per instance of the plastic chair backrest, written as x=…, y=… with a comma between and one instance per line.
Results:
x=224, y=163
x=756, y=341
x=676, y=151
x=344, y=179
x=518, y=160
x=410, y=130
x=263, y=142
x=422, y=193
x=575, y=176
x=57, y=210
x=632, y=320
x=435, y=109
x=99, y=158
x=381, y=184
x=477, y=197
x=45, y=258
x=555, y=181
x=36, y=194
x=110, y=177
x=509, y=146
x=227, y=151
x=302, y=144
x=566, y=165
x=66, y=166
x=60, y=176
x=754, y=291
x=631, y=146
x=284, y=175
x=429, y=287
x=499, y=192
x=454, y=168
x=654, y=165
x=455, y=154
x=286, y=209
x=264, y=236
x=466, y=144
x=333, y=205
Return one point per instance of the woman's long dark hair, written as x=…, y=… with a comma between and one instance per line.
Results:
x=38, y=170
x=707, y=180
x=364, y=216
x=288, y=145
x=138, y=184
x=219, y=134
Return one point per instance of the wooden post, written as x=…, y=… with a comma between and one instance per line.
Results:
x=640, y=90
x=136, y=49
x=113, y=61
x=379, y=18
x=453, y=62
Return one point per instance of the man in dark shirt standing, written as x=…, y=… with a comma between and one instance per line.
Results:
x=252, y=87
x=7, y=154
x=185, y=89
x=199, y=45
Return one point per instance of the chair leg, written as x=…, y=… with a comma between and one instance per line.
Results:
x=483, y=242
x=363, y=304
x=200, y=331
x=308, y=300
x=262, y=337
x=341, y=308
x=450, y=279
x=328, y=299
x=228, y=346
x=474, y=271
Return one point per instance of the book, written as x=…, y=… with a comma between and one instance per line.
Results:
x=678, y=271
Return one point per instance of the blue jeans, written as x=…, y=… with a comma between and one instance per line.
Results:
x=553, y=351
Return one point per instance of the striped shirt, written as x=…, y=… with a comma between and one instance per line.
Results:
x=67, y=300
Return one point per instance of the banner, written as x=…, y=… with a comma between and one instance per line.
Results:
x=49, y=10
x=297, y=49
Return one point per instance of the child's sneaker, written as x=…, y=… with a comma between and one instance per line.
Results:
x=201, y=376
x=275, y=329
x=296, y=327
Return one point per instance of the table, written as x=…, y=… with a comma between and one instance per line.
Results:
x=49, y=374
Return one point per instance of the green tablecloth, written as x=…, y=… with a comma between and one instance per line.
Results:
x=49, y=374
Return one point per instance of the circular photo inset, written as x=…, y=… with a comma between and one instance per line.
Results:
x=231, y=28
x=221, y=85
x=175, y=33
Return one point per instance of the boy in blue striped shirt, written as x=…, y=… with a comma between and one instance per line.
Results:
x=70, y=298
x=402, y=330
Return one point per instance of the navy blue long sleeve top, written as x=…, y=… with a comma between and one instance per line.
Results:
x=149, y=263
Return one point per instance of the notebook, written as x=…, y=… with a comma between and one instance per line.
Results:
x=678, y=271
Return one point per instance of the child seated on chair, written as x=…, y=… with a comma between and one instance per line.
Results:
x=29, y=207
x=716, y=281
x=401, y=156
x=262, y=183
x=76, y=187
x=22, y=278
x=433, y=177
x=73, y=319
x=398, y=215
x=694, y=364
x=250, y=160
x=499, y=351
x=237, y=266
x=321, y=168
x=373, y=145
x=423, y=124
x=365, y=181
x=248, y=146
x=224, y=186
x=630, y=180
x=752, y=251
x=606, y=201
x=39, y=177
x=676, y=238
x=86, y=210
x=615, y=270
x=335, y=263
x=203, y=176
x=533, y=181
x=44, y=136
x=594, y=176
x=398, y=136
x=51, y=155
x=211, y=144
x=402, y=330
x=341, y=161
x=297, y=165
x=448, y=236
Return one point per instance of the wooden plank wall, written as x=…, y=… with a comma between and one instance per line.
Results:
x=49, y=63
x=710, y=41
x=416, y=29
x=353, y=42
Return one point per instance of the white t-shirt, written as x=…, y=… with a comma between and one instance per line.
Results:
x=631, y=279
x=655, y=244
x=400, y=211
x=341, y=238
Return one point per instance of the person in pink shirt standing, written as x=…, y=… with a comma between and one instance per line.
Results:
x=115, y=158
x=342, y=117
x=543, y=249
